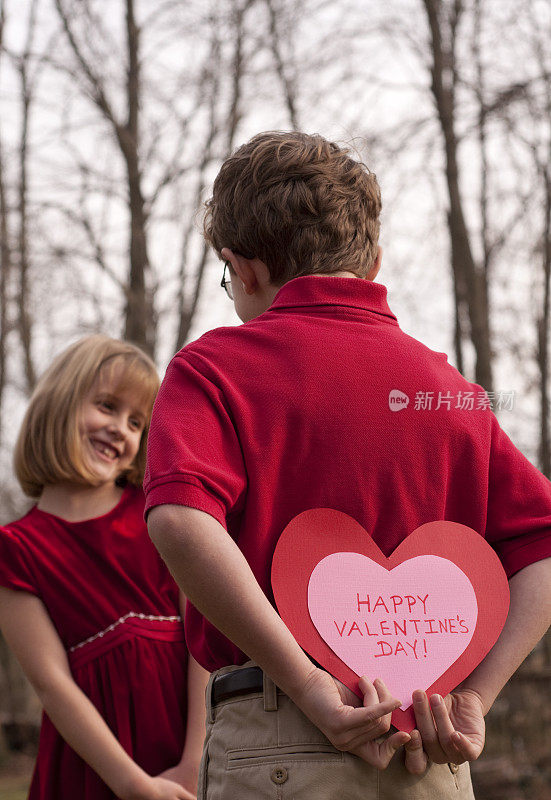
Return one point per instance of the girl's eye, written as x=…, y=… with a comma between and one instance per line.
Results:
x=106, y=404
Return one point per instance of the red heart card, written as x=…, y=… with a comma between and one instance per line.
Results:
x=421, y=619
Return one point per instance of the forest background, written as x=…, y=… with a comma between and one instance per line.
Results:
x=115, y=116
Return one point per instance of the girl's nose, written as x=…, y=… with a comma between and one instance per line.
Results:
x=116, y=427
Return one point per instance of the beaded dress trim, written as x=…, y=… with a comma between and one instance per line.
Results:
x=120, y=621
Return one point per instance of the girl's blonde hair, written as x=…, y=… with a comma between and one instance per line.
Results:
x=48, y=448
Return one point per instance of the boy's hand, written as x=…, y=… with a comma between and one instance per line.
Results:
x=452, y=729
x=348, y=725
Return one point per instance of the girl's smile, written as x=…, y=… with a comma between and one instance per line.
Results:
x=112, y=427
x=104, y=449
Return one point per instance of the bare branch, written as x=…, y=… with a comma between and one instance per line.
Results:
x=174, y=169
x=186, y=310
x=288, y=85
x=82, y=220
x=95, y=84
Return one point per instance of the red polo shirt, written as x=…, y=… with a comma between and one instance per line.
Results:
x=304, y=407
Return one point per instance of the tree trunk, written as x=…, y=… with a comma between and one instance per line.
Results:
x=5, y=260
x=460, y=307
x=24, y=323
x=5, y=274
x=140, y=322
x=287, y=84
x=463, y=264
x=543, y=333
x=139, y=318
x=187, y=307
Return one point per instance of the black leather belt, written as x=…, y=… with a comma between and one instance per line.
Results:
x=233, y=684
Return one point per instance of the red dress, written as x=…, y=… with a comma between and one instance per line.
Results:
x=115, y=607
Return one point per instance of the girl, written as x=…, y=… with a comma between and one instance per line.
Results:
x=86, y=603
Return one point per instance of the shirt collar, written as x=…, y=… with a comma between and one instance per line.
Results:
x=325, y=290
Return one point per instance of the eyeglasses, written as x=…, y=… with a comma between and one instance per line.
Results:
x=225, y=283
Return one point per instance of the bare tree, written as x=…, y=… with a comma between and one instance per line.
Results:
x=139, y=315
x=5, y=275
x=541, y=156
x=470, y=279
x=24, y=321
x=138, y=136
x=221, y=126
x=237, y=18
x=280, y=34
x=187, y=306
x=17, y=694
x=544, y=321
x=525, y=111
x=5, y=248
x=543, y=164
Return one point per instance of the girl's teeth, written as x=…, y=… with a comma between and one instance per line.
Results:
x=107, y=451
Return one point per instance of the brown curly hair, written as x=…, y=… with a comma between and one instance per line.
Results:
x=297, y=202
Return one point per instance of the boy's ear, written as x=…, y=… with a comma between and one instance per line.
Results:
x=376, y=266
x=243, y=268
x=230, y=256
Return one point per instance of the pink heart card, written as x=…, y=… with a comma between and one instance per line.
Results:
x=422, y=618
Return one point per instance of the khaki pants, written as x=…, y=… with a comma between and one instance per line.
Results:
x=261, y=747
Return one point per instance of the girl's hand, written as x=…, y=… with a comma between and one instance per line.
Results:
x=451, y=729
x=158, y=788
x=349, y=725
x=185, y=775
x=30, y=632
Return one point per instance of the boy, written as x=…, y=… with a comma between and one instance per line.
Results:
x=290, y=411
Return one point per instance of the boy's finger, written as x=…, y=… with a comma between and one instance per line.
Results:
x=425, y=725
x=379, y=756
x=444, y=727
x=365, y=737
x=468, y=750
x=383, y=692
x=369, y=692
x=377, y=710
x=389, y=746
x=416, y=758
x=364, y=717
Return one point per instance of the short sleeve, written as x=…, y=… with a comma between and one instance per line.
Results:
x=194, y=457
x=518, y=523
x=15, y=567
